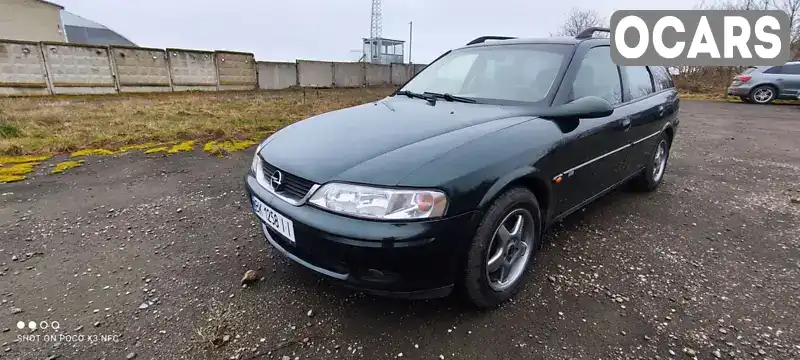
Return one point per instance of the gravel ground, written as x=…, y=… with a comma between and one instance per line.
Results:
x=137, y=257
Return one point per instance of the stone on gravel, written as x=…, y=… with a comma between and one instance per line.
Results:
x=250, y=277
x=310, y=313
x=15, y=311
x=131, y=356
x=144, y=306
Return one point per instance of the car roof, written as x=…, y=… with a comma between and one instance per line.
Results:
x=565, y=40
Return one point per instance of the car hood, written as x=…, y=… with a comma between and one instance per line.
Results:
x=382, y=142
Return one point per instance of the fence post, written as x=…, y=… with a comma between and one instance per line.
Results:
x=112, y=62
x=46, y=70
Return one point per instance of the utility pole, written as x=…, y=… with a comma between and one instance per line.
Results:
x=410, y=38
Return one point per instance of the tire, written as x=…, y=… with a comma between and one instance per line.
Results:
x=653, y=173
x=483, y=287
x=763, y=94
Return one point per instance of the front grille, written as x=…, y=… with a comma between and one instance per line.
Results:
x=292, y=186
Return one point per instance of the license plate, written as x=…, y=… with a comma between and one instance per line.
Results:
x=273, y=219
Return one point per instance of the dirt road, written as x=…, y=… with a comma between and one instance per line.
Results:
x=141, y=257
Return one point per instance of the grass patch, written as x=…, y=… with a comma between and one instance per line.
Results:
x=224, y=147
x=4, y=160
x=66, y=165
x=89, y=152
x=145, y=146
x=184, y=146
x=156, y=150
x=11, y=178
x=18, y=169
x=8, y=130
x=65, y=124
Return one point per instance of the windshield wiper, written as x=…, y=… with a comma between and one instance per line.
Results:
x=412, y=94
x=450, y=97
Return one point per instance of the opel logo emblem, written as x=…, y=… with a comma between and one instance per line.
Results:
x=276, y=180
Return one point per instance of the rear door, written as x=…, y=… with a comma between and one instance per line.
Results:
x=791, y=80
x=652, y=99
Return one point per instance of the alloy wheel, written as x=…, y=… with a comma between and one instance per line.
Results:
x=510, y=249
x=660, y=161
x=763, y=95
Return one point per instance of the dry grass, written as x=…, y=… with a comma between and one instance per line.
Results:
x=63, y=124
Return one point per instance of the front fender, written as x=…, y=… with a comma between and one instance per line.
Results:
x=527, y=176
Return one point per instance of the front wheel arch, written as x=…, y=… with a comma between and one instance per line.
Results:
x=528, y=177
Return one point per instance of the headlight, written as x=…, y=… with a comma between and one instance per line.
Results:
x=377, y=203
x=256, y=159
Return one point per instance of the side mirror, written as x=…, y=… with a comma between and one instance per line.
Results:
x=587, y=107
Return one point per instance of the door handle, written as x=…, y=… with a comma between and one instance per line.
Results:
x=625, y=124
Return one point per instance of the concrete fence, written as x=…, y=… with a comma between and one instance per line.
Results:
x=50, y=68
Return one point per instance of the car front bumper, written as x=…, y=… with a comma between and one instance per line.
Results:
x=418, y=259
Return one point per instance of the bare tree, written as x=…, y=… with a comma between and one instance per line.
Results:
x=791, y=8
x=579, y=20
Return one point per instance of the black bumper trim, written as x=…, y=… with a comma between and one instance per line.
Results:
x=300, y=261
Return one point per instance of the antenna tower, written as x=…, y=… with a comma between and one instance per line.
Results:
x=376, y=25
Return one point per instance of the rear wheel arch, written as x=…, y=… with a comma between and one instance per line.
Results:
x=775, y=89
x=670, y=134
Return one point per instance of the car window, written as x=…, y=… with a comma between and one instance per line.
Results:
x=773, y=70
x=793, y=69
x=517, y=73
x=457, y=69
x=598, y=76
x=638, y=82
x=661, y=78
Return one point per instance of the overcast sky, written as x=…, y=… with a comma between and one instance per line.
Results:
x=330, y=29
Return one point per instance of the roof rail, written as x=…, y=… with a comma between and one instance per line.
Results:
x=484, y=38
x=588, y=33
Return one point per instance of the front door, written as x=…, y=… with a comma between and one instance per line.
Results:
x=592, y=157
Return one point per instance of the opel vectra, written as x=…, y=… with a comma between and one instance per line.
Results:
x=450, y=183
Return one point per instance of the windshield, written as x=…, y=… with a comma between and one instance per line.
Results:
x=524, y=72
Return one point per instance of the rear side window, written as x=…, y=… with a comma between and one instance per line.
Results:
x=598, y=76
x=661, y=78
x=773, y=70
x=793, y=69
x=638, y=82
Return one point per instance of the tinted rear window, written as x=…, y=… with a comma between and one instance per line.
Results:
x=773, y=70
x=661, y=78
